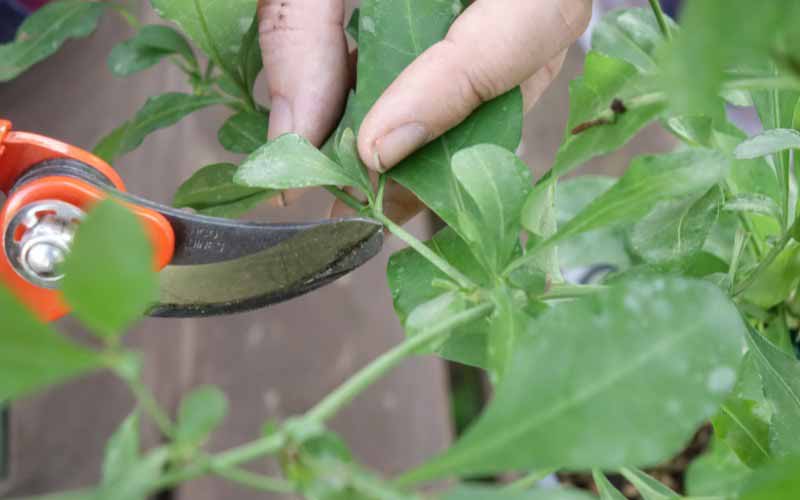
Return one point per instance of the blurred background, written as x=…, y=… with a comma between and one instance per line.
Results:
x=272, y=363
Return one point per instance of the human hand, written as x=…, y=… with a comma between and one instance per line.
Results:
x=491, y=48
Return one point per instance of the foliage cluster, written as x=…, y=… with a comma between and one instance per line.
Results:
x=698, y=323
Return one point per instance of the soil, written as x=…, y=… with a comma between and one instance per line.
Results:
x=670, y=473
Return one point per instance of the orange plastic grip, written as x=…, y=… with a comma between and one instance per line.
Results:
x=19, y=151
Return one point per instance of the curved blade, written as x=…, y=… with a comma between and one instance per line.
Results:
x=311, y=257
x=223, y=266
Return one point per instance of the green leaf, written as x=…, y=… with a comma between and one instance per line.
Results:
x=705, y=50
x=34, y=355
x=122, y=450
x=212, y=186
x=699, y=265
x=201, y=411
x=754, y=203
x=539, y=219
x=487, y=493
x=632, y=35
x=496, y=184
x=716, y=472
x=346, y=150
x=776, y=481
x=676, y=228
x=591, y=96
x=288, y=162
x=780, y=374
x=157, y=113
x=777, y=282
x=217, y=27
x=744, y=430
x=43, y=33
x=237, y=208
x=138, y=480
x=249, y=58
x=558, y=403
x=605, y=488
x=604, y=245
x=648, y=487
x=768, y=142
x=109, y=280
x=649, y=179
x=391, y=36
x=410, y=279
x=507, y=324
x=86, y=494
x=149, y=46
x=244, y=132
x=352, y=25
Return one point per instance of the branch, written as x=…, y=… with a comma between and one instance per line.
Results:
x=329, y=406
x=661, y=18
x=425, y=251
x=332, y=403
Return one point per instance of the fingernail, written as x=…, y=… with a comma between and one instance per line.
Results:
x=392, y=148
x=281, y=120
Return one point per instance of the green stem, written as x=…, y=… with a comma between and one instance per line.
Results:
x=226, y=460
x=572, y=291
x=332, y=403
x=381, y=190
x=347, y=198
x=661, y=18
x=255, y=481
x=149, y=404
x=126, y=15
x=423, y=250
x=329, y=406
x=525, y=483
x=764, y=264
x=763, y=83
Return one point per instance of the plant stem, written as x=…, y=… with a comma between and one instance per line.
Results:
x=381, y=190
x=126, y=15
x=763, y=83
x=334, y=401
x=572, y=291
x=255, y=481
x=661, y=18
x=149, y=404
x=347, y=198
x=764, y=264
x=423, y=250
x=328, y=406
x=526, y=482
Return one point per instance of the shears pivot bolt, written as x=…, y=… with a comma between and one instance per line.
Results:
x=38, y=239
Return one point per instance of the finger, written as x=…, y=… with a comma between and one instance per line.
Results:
x=534, y=87
x=305, y=57
x=492, y=47
x=306, y=61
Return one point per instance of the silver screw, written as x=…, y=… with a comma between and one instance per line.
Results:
x=44, y=258
x=38, y=239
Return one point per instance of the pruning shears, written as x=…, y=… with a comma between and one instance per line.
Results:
x=207, y=265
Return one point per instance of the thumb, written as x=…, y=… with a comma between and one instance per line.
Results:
x=491, y=48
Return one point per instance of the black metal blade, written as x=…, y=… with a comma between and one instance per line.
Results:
x=224, y=266
x=311, y=257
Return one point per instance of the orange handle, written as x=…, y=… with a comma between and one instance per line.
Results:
x=19, y=151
